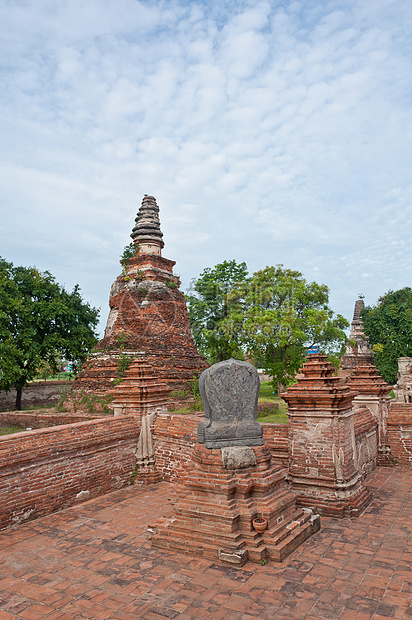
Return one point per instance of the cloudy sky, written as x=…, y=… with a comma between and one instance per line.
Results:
x=268, y=131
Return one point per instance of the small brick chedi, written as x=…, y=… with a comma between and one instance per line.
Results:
x=359, y=353
x=324, y=465
x=148, y=316
x=373, y=392
x=232, y=481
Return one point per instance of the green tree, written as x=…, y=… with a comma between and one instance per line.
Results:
x=208, y=309
x=40, y=322
x=389, y=328
x=280, y=315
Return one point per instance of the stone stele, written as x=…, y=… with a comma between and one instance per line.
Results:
x=229, y=392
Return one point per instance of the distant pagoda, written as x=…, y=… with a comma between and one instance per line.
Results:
x=359, y=353
x=148, y=317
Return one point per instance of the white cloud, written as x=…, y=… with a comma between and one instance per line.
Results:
x=268, y=132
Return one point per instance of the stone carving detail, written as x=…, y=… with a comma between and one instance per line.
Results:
x=229, y=392
x=238, y=457
x=145, y=456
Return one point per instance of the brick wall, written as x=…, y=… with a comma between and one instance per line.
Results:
x=45, y=470
x=276, y=436
x=400, y=432
x=366, y=440
x=35, y=419
x=174, y=437
x=35, y=394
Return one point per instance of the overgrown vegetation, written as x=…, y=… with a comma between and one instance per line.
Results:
x=123, y=363
x=93, y=403
x=129, y=251
x=64, y=391
x=121, y=340
x=194, y=387
x=134, y=474
x=179, y=394
x=193, y=407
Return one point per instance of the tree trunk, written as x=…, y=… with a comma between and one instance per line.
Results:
x=281, y=387
x=19, y=391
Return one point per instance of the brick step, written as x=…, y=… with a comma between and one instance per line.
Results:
x=283, y=529
x=190, y=531
x=186, y=540
x=280, y=550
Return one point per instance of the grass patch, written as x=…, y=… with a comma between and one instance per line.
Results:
x=37, y=408
x=272, y=413
x=267, y=390
x=179, y=394
x=190, y=408
x=271, y=408
x=9, y=430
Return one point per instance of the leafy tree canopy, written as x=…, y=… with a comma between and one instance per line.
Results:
x=39, y=322
x=208, y=309
x=279, y=315
x=389, y=328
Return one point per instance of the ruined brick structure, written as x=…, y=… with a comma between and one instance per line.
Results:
x=400, y=432
x=148, y=316
x=331, y=446
x=140, y=392
x=232, y=480
x=372, y=391
x=403, y=387
x=360, y=353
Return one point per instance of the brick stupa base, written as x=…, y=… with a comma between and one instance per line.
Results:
x=324, y=470
x=216, y=506
x=140, y=392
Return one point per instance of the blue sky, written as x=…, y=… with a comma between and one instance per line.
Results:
x=269, y=132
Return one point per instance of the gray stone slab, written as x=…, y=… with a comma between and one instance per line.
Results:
x=229, y=392
x=238, y=457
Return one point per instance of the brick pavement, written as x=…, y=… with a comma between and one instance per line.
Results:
x=93, y=561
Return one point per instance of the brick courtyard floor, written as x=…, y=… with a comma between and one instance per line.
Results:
x=93, y=561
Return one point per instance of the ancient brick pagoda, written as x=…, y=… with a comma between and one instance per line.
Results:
x=325, y=465
x=232, y=481
x=359, y=353
x=148, y=316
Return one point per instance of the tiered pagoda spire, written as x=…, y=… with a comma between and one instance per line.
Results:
x=146, y=233
x=359, y=353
